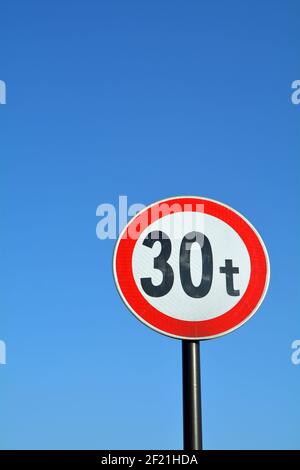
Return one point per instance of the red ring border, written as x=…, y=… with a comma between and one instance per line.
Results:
x=184, y=329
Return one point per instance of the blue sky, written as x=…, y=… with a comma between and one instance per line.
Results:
x=149, y=100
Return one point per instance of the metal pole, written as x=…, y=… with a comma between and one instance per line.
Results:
x=192, y=420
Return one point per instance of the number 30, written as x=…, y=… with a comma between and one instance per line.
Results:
x=161, y=263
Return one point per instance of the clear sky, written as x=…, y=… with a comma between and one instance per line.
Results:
x=147, y=99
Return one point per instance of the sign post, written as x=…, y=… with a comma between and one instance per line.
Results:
x=193, y=269
x=191, y=395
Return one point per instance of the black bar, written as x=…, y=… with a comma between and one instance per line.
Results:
x=191, y=388
x=93, y=459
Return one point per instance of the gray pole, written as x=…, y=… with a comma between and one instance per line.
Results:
x=191, y=388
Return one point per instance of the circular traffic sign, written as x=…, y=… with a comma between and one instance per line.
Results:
x=191, y=268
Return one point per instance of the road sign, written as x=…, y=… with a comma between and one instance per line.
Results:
x=191, y=268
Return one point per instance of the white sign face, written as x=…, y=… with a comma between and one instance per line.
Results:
x=197, y=269
x=225, y=244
